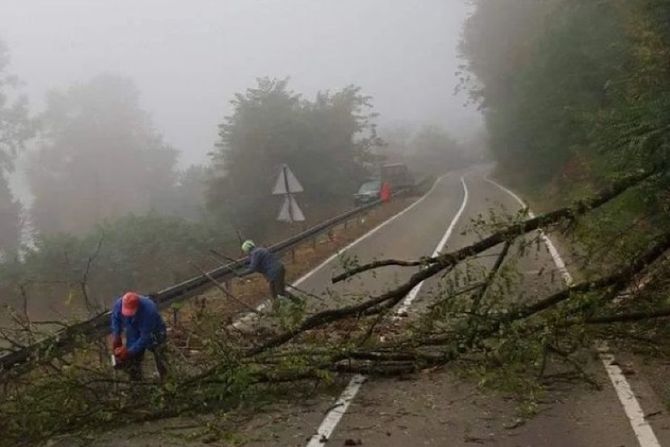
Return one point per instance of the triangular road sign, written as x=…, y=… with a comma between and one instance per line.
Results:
x=290, y=211
x=286, y=183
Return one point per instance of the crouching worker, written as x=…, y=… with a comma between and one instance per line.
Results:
x=263, y=261
x=138, y=316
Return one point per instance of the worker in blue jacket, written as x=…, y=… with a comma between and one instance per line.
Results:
x=143, y=324
x=263, y=261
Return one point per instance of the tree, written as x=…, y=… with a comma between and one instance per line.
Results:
x=325, y=141
x=434, y=151
x=188, y=197
x=478, y=316
x=15, y=129
x=70, y=276
x=397, y=141
x=101, y=158
x=574, y=93
x=543, y=69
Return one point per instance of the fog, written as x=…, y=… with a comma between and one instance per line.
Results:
x=189, y=58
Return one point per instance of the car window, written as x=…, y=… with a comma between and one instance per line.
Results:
x=369, y=187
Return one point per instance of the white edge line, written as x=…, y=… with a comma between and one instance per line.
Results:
x=334, y=416
x=411, y=296
x=558, y=260
x=370, y=233
x=643, y=431
x=246, y=318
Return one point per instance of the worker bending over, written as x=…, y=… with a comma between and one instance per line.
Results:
x=138, y=316
x=263, y=261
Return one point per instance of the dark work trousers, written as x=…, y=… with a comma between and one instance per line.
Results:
x=134, y=364
x=278, y=283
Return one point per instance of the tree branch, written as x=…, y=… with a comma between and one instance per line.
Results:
x=512, y=231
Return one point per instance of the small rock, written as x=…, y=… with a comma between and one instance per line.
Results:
x=353, y=442
x=516, y=423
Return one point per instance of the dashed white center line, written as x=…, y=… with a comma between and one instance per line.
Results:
x=246, y=319
x=338, y=410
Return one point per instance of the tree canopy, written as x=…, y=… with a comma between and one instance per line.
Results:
x=571, y=90
x=15, y=129
x=325, y=142
x=100, y=158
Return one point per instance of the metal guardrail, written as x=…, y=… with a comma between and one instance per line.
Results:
x=99, y=325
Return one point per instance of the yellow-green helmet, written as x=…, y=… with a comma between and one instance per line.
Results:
x=248, y=245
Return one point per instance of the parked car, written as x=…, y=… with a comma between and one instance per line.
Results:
x=398, y=176
x=368, y=192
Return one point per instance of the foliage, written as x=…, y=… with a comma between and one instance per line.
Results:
x=69, y=275
x=15, y=129
x=478, y=315
x=100, y=158
x=551, y=74
x=187, y=199
x=435, y=151
x=429, y=150
x=10, y=220
x=576, y=94
x=324, y=141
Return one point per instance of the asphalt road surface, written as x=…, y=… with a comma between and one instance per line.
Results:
x=439, y=408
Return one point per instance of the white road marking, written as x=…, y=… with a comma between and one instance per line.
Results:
x=643, y=431
x=242, y=321
x=369, y=233
x=411, y=296
x=334, y=416
x=558, y=261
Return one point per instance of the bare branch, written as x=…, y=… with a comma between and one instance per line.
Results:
x=513, y=231
x=631, y=317
x=476, y=300
x=222, y=288
x=83, y=283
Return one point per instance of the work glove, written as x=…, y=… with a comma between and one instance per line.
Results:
x=121, y=353
x=116, y=341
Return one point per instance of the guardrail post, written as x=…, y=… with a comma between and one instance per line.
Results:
x=314, y=242
x=330, y=234
x=175, y=316
x=345, y=224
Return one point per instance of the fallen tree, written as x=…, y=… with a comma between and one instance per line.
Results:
x=473, y=315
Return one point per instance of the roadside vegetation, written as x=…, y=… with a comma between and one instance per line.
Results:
x=574, y=93
x=226, y=369
x=576, y=104
x=575, y=96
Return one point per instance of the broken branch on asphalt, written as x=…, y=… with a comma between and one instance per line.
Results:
x=511, y=231
x=221, y=373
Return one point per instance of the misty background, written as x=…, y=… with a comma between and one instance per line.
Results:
x=189, y=58
x=152, y=131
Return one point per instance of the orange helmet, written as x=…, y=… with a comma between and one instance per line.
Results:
x=129, y=304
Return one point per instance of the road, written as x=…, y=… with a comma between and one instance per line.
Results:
x=441, y=408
